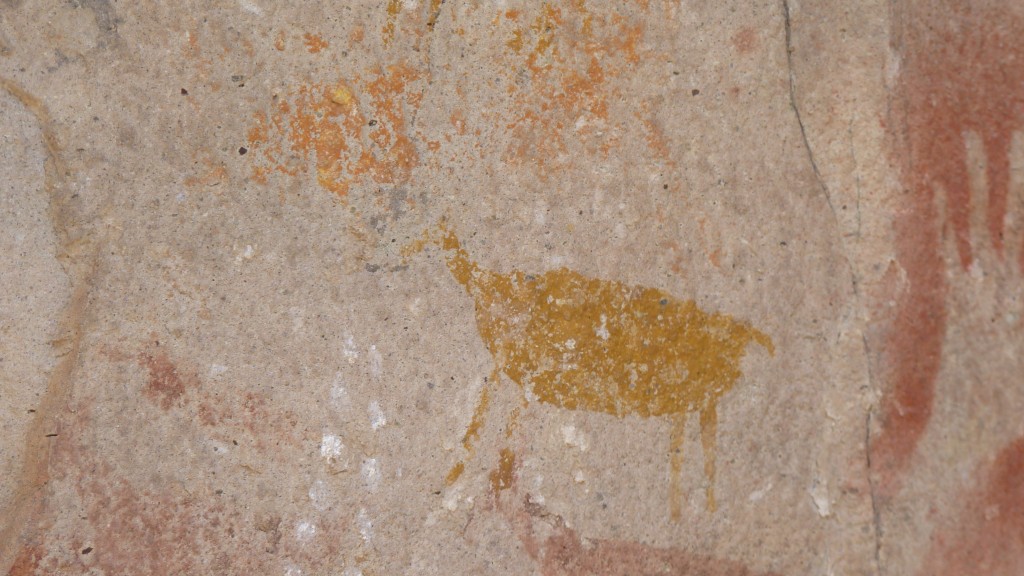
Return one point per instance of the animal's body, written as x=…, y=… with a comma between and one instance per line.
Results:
x=584, y=343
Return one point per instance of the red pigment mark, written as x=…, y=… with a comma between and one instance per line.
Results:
x=564, y=552
x=357, y=132
x=745, y=40
x=560, y=550
x=314, y=43
x=249, y=412
x=229, y=413
x=988, y=537
x=152, y=526
x=166, y=384
x=136, y=521
x=28, y=561
x=962, y=71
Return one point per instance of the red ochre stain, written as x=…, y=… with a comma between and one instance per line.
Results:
x=28, y=562
x=745, y=41
x=166, y=385
x=140, y=522
x=988, y=536
x=583, y=343
x=227, y=413
x=962, y=70
x=562, y=551
x=161, y=530
x=355, y=132
x=314, y=43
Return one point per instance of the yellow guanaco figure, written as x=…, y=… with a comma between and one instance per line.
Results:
x=584, y=343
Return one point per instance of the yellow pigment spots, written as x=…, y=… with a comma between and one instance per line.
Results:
x=584, y=343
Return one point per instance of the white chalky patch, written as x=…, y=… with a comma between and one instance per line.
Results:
x=319, y=495
x=251, y=7
x=377, y=418
x=557, y=260
x=574, y=437
x=339, y=394
x=528, y=392
x=758, y=495
x=305, y=531
x=246, y=254
x=331, y=446
x=602, y=330
x=535, y=496
x=376, y=362
x=365, y=524
x=219, y=447
x=451, y=500
x=370, y=471
x=349, y=350
x=819, y=495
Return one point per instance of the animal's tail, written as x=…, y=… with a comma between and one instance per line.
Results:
x=762, y=339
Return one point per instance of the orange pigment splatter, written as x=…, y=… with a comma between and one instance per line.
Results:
x=573, y=56
x=314, y=43
x=353, y=131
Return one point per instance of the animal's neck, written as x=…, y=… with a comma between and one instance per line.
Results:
x=462, y=268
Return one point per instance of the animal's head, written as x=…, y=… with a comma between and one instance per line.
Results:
x=746, y=333
x=440, y=235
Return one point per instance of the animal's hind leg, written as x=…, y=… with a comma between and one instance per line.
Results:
x=676, y=462
x=708, y=435
x=473, y=431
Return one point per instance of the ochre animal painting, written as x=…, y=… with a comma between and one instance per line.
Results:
x=584, y=343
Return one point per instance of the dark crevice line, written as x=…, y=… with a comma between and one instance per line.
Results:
x=807, y=145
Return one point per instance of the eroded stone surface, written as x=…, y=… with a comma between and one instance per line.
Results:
x=249, y=375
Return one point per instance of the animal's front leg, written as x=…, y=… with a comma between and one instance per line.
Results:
x=708, y=437
x=675, y=493
x=473, y=431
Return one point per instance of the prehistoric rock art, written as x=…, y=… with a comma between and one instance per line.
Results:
x=576, y=59
x=78, y=255
x=394, y=8
x=561, y=550
x=603, y=346
x=355, y=132
x=960, y=78
x=986, y=537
